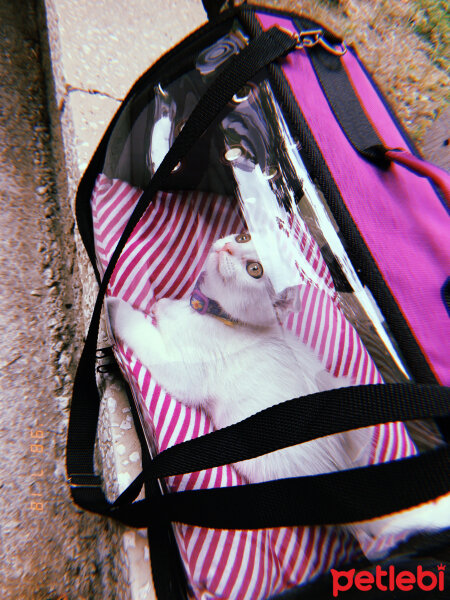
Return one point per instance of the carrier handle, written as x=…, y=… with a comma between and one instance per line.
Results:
x=85, y=485
x=357, y=126
x=422, y=167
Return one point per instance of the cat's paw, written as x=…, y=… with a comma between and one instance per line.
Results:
x=117, y=312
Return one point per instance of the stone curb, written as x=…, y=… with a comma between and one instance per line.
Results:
x=96, y=50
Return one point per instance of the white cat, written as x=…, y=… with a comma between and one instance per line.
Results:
x=223, y=350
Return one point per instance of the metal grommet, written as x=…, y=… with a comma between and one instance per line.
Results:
x=242, y=95
x=270, y=173
x=232, y=154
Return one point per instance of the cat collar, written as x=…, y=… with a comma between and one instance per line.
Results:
x=204, y=305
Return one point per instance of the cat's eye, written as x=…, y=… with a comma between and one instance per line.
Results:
x=255, y=269
x=242, y=238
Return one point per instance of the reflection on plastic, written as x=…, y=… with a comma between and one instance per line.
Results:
x=216, y=55
x=271, y=181
x=162, y=135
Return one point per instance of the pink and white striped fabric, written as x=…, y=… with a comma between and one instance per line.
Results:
x=163, y=258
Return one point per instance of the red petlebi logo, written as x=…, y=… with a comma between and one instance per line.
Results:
x=388, y=580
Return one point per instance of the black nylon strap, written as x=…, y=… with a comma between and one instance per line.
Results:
x=242, y=67
x=303, y=419
x=294, y=422
x=356, y=495
x=332, y=498
x=345, y=103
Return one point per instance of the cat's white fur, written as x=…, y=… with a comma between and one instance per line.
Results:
x=234, y=372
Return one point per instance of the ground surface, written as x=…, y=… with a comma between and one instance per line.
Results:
x=48, y=549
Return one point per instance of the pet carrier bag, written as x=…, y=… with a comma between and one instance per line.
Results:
x=259, y=154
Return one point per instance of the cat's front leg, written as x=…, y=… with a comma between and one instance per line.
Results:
x=137, y=331
x=158, y=353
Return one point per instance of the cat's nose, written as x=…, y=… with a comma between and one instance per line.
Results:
x=228, y=248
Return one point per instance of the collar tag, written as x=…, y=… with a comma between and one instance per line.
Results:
x=204, y=305
x=199, y=302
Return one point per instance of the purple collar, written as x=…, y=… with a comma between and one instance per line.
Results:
x=204, y=305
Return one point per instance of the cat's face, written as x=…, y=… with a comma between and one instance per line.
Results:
x=237, y=261
x=235, y=277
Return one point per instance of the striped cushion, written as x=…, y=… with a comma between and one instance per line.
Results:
x=163, y=258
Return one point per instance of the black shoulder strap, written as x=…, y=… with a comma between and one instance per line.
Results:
x=294, y=422
x=333, y=498
x=378, y=489
x=358, y=494
x=85, y=485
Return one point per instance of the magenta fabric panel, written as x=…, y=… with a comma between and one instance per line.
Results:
x=406, y=227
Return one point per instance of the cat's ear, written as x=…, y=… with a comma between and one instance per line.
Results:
x=289, y=300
